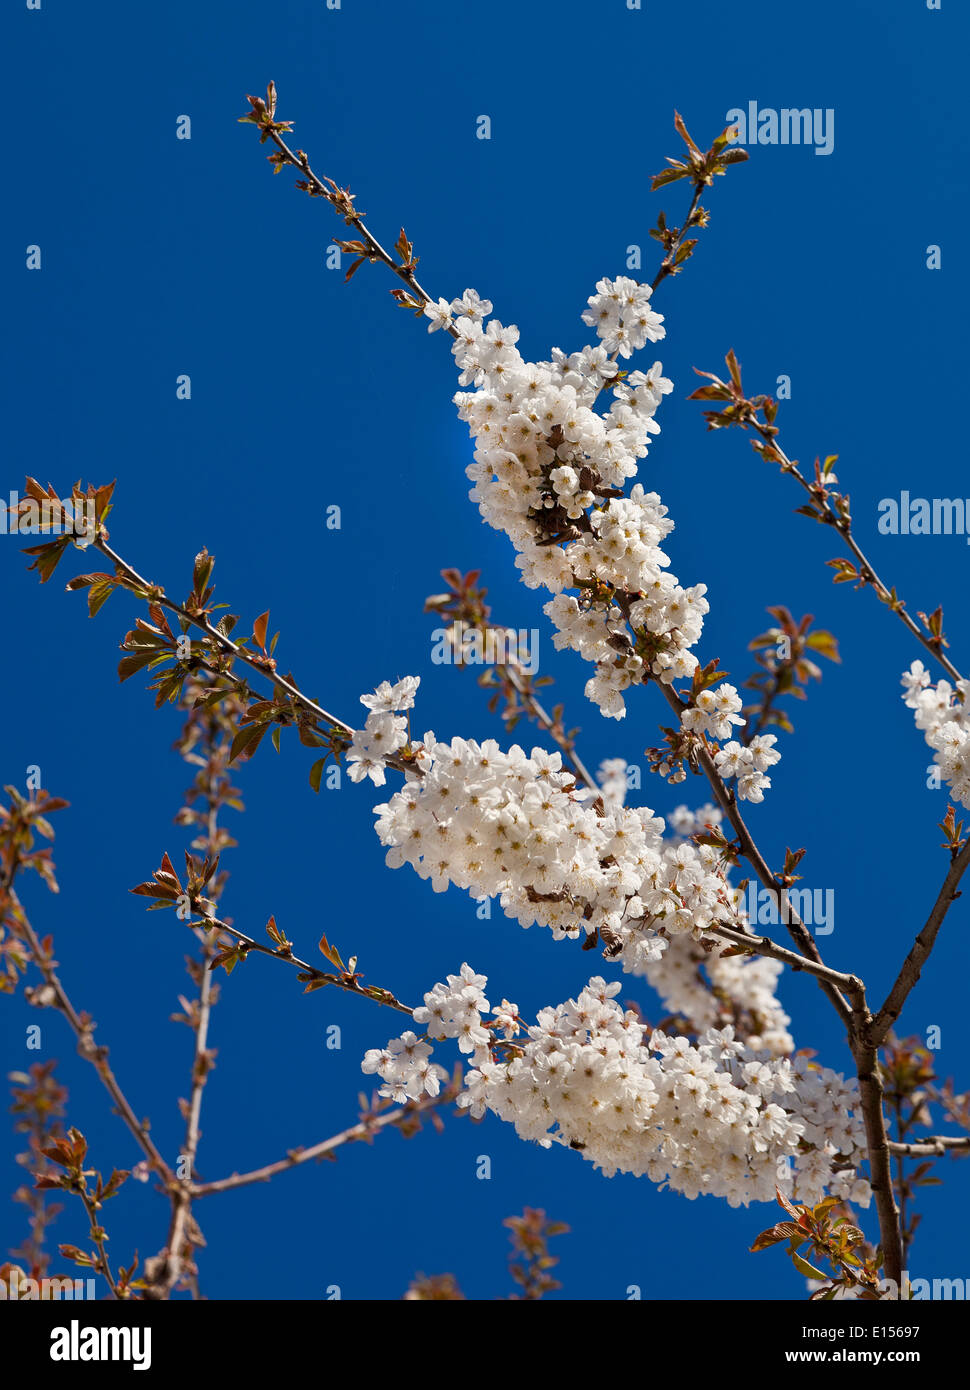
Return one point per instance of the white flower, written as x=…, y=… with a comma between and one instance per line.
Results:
x=388, y=699
x=471, y=307
x=439, y=314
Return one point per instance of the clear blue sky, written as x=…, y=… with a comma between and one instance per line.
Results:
x=163, y=257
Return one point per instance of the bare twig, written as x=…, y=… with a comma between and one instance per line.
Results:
x=363, y=1131
x=921, y=948
x=765, y=946
x=98, y=1236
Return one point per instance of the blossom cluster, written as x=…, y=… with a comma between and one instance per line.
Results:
x=385, y=729
x=550, y=471
x=943, y=714
x=748, y=763
x=513, y=825
x=699, y=983
x=713, y=1117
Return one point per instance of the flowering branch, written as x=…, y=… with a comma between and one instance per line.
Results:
x=699, y=167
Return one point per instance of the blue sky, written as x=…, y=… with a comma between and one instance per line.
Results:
x=164, y=257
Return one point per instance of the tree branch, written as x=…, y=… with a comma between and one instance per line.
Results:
x=364, y=1130
x=765, y=946
x=877, y=1141
x=842, y=523
x=314, y=976
x=796, y=927
x=937, y=1145
x=921, y=948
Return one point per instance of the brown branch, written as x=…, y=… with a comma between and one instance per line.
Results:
x=362, y=1131
x=153, y=594
x=765, y=946
x=787, y=914
x=98, y=1236
x=871, y=1089
x=376, y=252
x=921, y=948
x=210, y=785
x=346, y=982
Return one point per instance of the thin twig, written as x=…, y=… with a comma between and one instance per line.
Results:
x=787, y=913
x=97, y=1235
x=867, y=570
x=363, y=1130
x=345, y=982
x=225, y=644
x=765, y=946
x=182, y=1197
